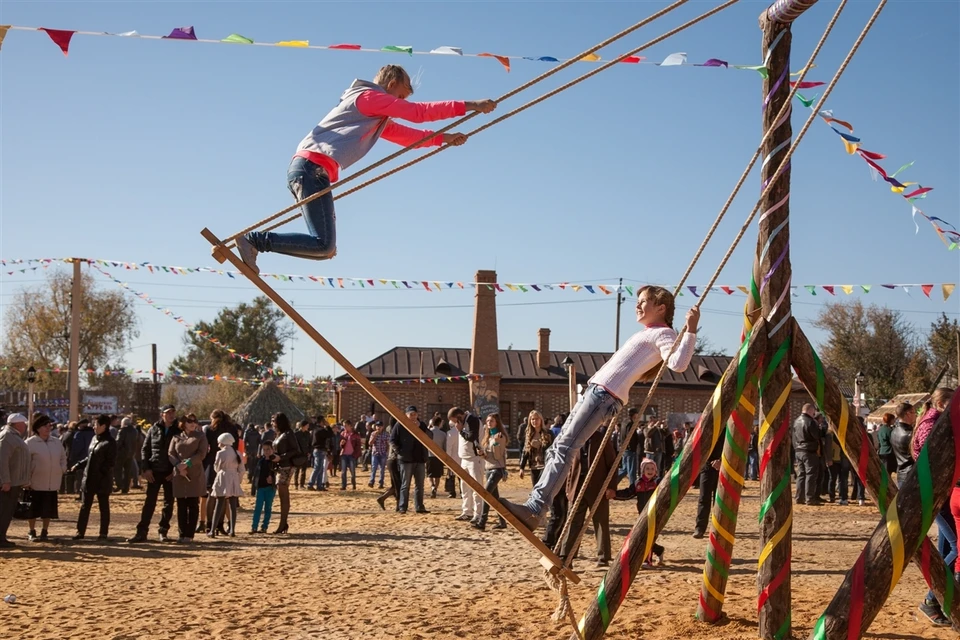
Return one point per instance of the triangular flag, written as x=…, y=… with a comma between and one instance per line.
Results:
x=182, y=33
x=889, y=286
x=236, y=38
x=851, y=147
x=542, y=59
x=345, y=47
x=947, y=290
x=604, y=289
x=590, y=57
x=829, y=289
x=742, y=289
x=448, y=51
x=806, y=85
x=674, y=59
x=505, y=61
x=727, y=290
x=715, y=62
x=294, y=43
x=866, y=287
x=906, y=290
x=3, y=33
x=398, y=49
x=589, y=288
x=693, y=290
x=633, y=59
x=811, y=288
x=847, y=288
x=60, y=38
x=761, y=69
x=926, y=288
x=872, y=155
x=807, y=102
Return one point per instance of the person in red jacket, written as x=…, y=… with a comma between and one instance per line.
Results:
x=350, y=450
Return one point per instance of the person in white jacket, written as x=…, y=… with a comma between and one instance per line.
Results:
x=48, y=463
x=453, y=450
x=468, y=427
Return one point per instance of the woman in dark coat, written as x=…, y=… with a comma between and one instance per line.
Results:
x=187, y=451
x=97, y=478
x=287, y=448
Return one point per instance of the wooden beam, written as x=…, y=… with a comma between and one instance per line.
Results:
x=390, y=406
x=855, y=443
x=670, y=491
x=786, y=11
x=898, y=536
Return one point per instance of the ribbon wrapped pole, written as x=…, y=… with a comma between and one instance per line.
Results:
x=855, y=443
x=786, y=11
x=674, y=486
x=900, y=534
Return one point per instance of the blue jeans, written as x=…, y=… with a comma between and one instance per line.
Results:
x=319, y=462
x=348, y=463
x=753, y=465
x=493, y=478
x=594, y=407
x=375, y=462
x=628, y=468
x=264, y=503
x=946, y=541
x=411, y=471
x=304, y=179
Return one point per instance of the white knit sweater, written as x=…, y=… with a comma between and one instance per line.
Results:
x=644, y=350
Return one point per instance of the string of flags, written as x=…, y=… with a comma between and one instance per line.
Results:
x=342, y=282
x=293, y=383
x=62, y=38
x=909, y=191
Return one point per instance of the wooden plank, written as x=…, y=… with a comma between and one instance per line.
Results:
x=390, y=406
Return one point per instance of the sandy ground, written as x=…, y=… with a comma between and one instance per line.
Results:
x=350, y=570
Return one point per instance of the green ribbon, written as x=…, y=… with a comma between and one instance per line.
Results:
x=725, y=509
x=602, y=603
x=722, y=570
x=781, y=486
x=733, y=445
x=742, y=363
x=926, y=494
x=772, y=367
x=784, y=629
x=884, y=481
x=674, y=483
x=948, y=594
x=821, y=380
x=754, y=291
x=819, y=630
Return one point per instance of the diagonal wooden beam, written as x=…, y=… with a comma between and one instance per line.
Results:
x=786, y=11
x=855, y=443
x=556, y=565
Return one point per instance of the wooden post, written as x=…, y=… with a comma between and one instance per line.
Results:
x=855, y=443
x=671, y=490
x=76, y=303
x=771, y=283
x=572, y=386
x=391, y=407
x=899, y=535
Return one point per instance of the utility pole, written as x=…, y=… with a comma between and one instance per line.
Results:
x=155, y=395
x=153, y=348
x=616, y=347
x=74, y=377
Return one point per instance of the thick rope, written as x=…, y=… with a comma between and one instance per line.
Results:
x=460, y=121
x=785, y=110
x=510, y=114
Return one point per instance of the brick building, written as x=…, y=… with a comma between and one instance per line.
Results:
x=516, y=381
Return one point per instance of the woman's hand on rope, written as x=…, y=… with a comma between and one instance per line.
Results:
x=454, y=139
x=693, y=319
x=483, y=106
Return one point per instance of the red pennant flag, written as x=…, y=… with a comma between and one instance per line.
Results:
x=806, y=85
x=633, y=59
x=871, y=154
x=346, y=47
x=927, y=288
x=920, y=191
x=426, y=285
x=829, y=289
x=498, y=288
x=60, y=38
x=727, y=290
x=505, y=61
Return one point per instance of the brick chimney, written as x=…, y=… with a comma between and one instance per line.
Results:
x=543, y=348
x=485, y=353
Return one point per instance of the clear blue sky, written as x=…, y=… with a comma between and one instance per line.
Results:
x=127, y=148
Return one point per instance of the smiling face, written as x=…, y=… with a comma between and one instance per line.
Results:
x=649, y=472
x=648, y=312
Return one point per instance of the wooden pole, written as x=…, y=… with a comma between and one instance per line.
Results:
x=616, y=337
x=855, y=443
x=75, y=307
x=673, y=487
x=771, y=283
x=899, y=535
x=391, y=407
x=572, y=386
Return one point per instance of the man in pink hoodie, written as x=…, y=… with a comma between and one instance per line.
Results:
x=365, y=114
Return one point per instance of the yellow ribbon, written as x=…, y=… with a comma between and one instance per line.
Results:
x=731, y=472
x=775, y=540
x=726, y=535
x=774, y=411
x=896, y=543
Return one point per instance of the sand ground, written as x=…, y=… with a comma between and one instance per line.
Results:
x=350, y=570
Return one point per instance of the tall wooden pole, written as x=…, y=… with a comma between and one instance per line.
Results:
x=572, y=386
x=76, y=305
x=771, y=283
x=616, y=341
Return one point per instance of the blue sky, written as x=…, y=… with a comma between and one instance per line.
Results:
x=127, y=148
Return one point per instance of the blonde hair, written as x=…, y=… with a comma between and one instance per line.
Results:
x=392, y=73
x=485, y=438
x=545, y=435
x=658, y=295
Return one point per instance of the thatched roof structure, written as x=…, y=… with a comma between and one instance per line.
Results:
x=876, y=417
x=266, y=401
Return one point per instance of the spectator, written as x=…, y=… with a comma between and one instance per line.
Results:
x=304, y=438
x=434, y=464
x=319, y=444
x=127, y=440
x=158, y=473
x=493, y=444
x=264, y=484
x=653, y=444
x=453, y=450
x=287, y=452
x=884, y=450
x=708, y=480
x=14, y=471
x=97, y=478
x=393, y=468
x=79, y=447
x=535, y=444
x=226, y=485
x=187, y=452
x=806, y=443
x=753, y=454
x=48, y=463
x=350, y=451
x=413, y=457
x=251, y=445
x=628, y=466
x=219, y=424
x=900, y=439
x=379, y=446
x=468, y=427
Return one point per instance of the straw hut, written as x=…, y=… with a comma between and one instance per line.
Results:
x=266, y=401
x=876, y=417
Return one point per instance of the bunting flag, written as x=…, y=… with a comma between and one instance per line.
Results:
x=62, y=39
x=13, y=266
x=3, y=33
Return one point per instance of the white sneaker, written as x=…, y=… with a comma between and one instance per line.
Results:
x=861, y=502
x=248, y=253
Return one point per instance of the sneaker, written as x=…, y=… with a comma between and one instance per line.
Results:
x=32, y=536
x=164, y=538
x=463, y=517
x=522, y=512
x=933, y=612
x=658, y=557
x=43, y=535
x=477, y=525
x=861, y=502
x=698, y=534
x=248, y=253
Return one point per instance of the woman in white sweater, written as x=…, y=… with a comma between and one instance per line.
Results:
x=48, y=463
x=639, y=359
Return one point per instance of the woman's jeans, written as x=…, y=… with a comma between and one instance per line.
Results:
x=595, y=407
x=318, y=477
x=264, y=504
x=304, y=179
x=494, y=476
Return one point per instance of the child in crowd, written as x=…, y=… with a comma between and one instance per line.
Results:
x=646, y=485
x=226, y=486
x=265, y=487
x=639, y=359
x=365, y=114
